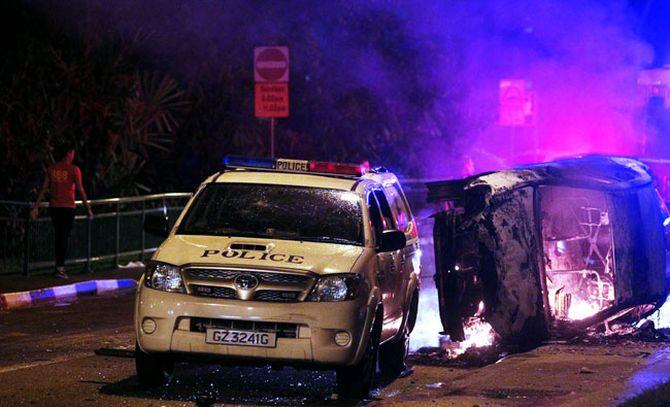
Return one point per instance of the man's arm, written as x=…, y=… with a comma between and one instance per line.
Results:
x=82, y=193
x=35, y=209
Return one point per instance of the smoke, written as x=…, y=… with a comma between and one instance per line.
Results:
x=582, y=58
x=431, y=67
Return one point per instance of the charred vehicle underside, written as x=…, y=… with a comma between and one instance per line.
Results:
x=551, y=249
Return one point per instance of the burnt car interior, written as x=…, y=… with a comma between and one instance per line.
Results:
x=578, y=251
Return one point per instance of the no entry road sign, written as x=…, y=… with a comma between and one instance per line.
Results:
x=271, y=64
x=271, y=87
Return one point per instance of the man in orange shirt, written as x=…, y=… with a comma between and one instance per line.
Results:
x=62, y=179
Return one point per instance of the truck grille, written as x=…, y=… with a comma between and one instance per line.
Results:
x=211, y=291
x=272, y=286
x=277, y=296
x=283, y=330
x=213, y=273
x=268, y=277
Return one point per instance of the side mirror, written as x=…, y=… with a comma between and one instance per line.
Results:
x=392, y=240
x=157, y=224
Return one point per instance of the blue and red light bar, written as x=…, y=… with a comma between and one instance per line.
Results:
x=289, y=165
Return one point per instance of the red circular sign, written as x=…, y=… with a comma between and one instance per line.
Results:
x=271, y=64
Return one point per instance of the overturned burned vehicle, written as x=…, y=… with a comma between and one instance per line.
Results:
x=548, y=250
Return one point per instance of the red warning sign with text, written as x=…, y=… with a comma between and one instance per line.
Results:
x=271, y=99
x=271, y=74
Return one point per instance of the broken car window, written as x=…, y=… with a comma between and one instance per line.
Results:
x=375, y=217
x=277, y=212
x=398, y=205
x=387, y=215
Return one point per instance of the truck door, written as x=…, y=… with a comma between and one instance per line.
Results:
x=409, y=257
x=389, y=274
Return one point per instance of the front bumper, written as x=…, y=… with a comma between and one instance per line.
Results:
x=314, y=344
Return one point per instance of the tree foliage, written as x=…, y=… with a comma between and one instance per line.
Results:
x=92, y=94
x=147, y=117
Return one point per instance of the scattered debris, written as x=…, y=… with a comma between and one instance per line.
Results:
x=609, y=333
x=132, y=265
x=472, y=357
x=585, y=370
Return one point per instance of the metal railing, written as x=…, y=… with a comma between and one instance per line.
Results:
x=115, y=232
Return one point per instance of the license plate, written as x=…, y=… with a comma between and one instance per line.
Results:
x=242, y=338
x=292, y=165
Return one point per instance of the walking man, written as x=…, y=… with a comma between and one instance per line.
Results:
x=62, y=178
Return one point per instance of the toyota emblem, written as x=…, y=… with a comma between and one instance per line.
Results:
x=246, y=281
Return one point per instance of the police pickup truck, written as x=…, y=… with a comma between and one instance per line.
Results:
x=284, y=262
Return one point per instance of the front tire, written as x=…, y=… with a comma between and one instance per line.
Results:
x=392, y=355
x=355, y=382
x=152, y=370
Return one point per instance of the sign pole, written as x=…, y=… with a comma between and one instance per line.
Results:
x=272, y=137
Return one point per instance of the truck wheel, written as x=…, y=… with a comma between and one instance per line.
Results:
x=355, y=382
x=413, y=312
x=152, y=370
x=392, y=355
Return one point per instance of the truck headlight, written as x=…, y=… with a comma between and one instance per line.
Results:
x=335, y=288
x=164, y=277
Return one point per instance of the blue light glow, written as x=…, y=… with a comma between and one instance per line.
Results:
x=239, y=161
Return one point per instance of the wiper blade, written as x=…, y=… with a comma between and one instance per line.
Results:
x=222, y=232
x=330, y=239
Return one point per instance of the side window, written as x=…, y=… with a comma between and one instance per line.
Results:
x=375, y=217
x=399, y=207
x=387, y=214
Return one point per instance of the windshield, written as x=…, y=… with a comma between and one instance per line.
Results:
x=276, y=212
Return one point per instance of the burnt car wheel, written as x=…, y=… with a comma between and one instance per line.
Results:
x=152, y=370
x=355, y=382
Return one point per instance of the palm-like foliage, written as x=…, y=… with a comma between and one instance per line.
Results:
x=126, y=117
x=93, y=95
x=146, y=125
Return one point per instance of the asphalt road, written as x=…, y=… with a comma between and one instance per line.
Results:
x=47, y=358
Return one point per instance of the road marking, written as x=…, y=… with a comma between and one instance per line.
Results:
x=59, y=359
